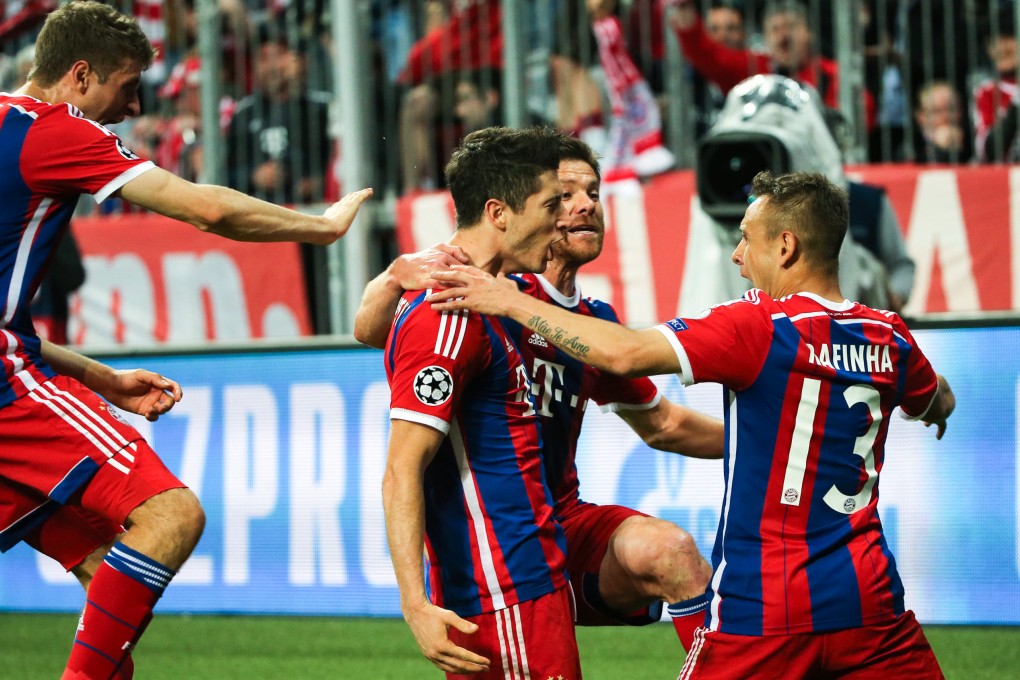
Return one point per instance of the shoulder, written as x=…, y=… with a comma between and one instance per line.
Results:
x=415, y=317
x=600, y=309
x=527, y=283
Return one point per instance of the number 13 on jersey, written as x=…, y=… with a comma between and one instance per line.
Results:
x=800, y=445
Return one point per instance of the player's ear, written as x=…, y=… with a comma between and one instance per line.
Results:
x=789, y=248
x=80, y=71
x=496, y=211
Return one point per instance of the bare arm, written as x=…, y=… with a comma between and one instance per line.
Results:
x=672, y=427
x=941, y=408
x=412, y=448
x=609, y=346
x=237, y=216
x=136, y=390
x=407, y=272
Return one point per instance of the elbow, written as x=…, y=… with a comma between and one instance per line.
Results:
x=366, y=335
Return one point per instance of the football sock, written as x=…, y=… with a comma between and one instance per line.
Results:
x=118, y=607
x=688, y=616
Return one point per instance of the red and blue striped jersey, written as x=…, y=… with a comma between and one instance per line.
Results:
x=491, y=537
x=49, y=155
x=562, y=386
x=809, y=386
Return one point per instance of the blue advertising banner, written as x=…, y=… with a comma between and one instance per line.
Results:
x=286, y=450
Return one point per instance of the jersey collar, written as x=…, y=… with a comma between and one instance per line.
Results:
x=558, y=297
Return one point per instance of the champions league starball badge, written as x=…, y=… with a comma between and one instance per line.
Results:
x=433, y=385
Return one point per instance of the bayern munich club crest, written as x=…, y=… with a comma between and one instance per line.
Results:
x=433, y=385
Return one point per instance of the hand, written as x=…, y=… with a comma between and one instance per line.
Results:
x=943, y=408
x=143, y=392
x=430, y=624
x=414, y=271
x=475, y=290
x=343, y=212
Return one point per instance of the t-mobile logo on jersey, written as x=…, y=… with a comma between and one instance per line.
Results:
x=547, y=385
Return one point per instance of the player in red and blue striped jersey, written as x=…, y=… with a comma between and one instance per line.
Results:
x=100, y=501
x=622, y=563
x=464, y=470
x=804, y=583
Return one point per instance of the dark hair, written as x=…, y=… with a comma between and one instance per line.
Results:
x=810, y=206
x=573, y=149
x=89, y=31
x=500, y=163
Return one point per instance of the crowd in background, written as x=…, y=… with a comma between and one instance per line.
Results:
x=938, y=84
x=939, y=79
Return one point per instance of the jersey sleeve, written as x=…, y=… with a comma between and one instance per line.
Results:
x=615, y=393
x=67, y=154
x=618, y=393
x=431, y=360
x=921, y=383
x=726, y=344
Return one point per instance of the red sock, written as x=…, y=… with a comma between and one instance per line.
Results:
x=117, y=610
x=688, y=616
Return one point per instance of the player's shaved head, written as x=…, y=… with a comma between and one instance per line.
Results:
x=810, y=206
x=89, y=31
x=500, y=163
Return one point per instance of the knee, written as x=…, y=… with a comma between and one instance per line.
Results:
x=672, y=559
x=191, y=518
x=175, y=515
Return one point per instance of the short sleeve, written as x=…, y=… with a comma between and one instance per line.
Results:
x=431, y=360
x=921, y=383
x=726, y=344
x=65, y=154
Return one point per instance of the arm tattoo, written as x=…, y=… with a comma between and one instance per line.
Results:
x=558, y=336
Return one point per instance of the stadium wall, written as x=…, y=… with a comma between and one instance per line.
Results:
x=286, y=448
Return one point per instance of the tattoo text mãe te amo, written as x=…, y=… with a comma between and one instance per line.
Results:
x=559, y=337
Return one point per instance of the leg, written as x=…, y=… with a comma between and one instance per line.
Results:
x=164, y=522
x=651, y=559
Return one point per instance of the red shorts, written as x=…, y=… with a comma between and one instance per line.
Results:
x=73, y=471
x=531, y=639
x=588, y=528
x=895, y=649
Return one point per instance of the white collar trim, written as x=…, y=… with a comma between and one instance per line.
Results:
x=557, y=296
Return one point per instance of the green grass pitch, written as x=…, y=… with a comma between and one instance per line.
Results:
x=34, y=647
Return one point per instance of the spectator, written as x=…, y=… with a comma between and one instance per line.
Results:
x=789, y=52
x=469, y=39
x=994, y=97
x=477, y=100
x=278, y=139
x=179, y=147
x=939, y=135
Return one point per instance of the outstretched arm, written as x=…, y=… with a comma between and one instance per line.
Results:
x=412, y=448
x=603, y=344
x=237, y=216
x=407, y=272
x=136, y=390
x=672, y=427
